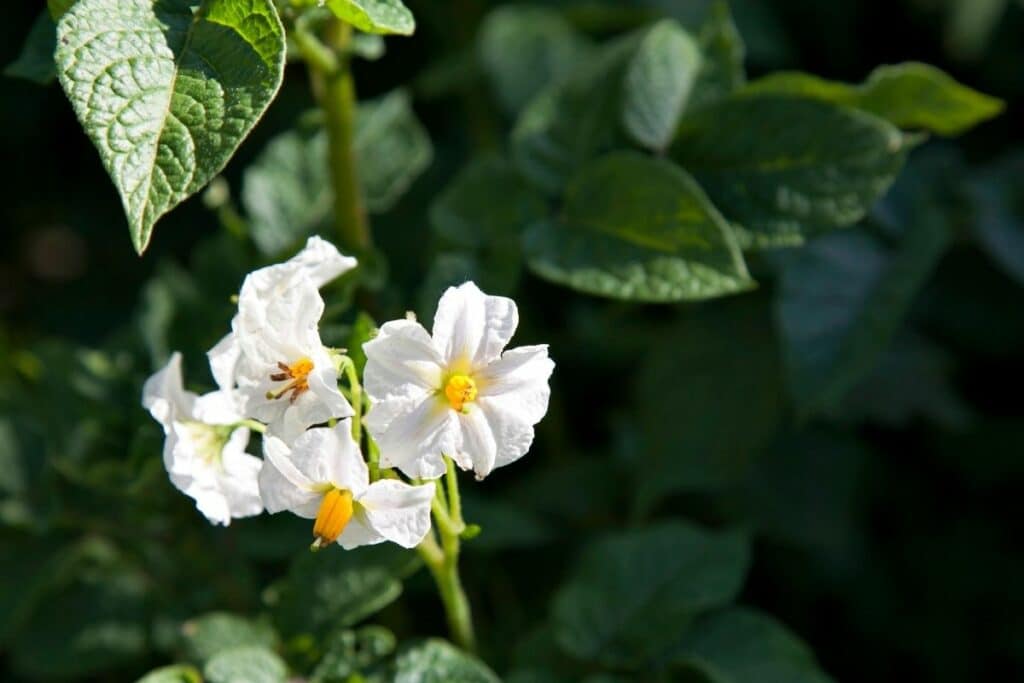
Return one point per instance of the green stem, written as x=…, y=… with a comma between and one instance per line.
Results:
x=338, y=101
x=356, y=394
x=253, y=425
x=443, y=562
x=454, y=500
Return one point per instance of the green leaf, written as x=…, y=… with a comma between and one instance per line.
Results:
x=639, y=229
x=571, y=121
x=706, y=436
x=739, y=645
x=632, y=594
x=523, y=48
x=785, y=167
x=375, y=16
x=998, y=224
x=363, y=330
x=167, y=93
x=58, y=8
x=911, y=95
x=246, y=665
x=487, y=203
x=35, y=63
x=285, y=192
x=349, y=652
x=179, y=673
x=437, y=661
x=722, y=49
x=216, y=632
x=840, y=301
x=658, y=83
x=392, y=149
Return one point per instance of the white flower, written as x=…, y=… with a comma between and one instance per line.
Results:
x=285, y=375
x=322, y=476
x=455, y=393
x=203, y=452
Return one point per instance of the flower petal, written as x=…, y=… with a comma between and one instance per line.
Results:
x=472, y=327
x=344, y=461
x=479, y=447
x=512, y=428
x=320, y=261
x=413, y=434
x=239, y=476
x=164, y=395
x=401, y=361
x=218, y=408
x=357, y=533
x=397, y=511
x=524, y=370
x=283, y=486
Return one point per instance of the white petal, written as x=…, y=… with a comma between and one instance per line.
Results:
x=320, y=261
x=164, y=395
x=346, y=467
x=283, y=486
x=397, y=511
x=472, y=327
x=357, y=533
x=401, y=361
x=279, y=325
x=513, y=431
x=239, y=477
x=523, y=371
x=414, y=435
x=218, y=408
x=224, y=486
x=224, y=359
x=479, y=446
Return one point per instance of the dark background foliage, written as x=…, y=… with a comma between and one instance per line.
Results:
x=886, y=527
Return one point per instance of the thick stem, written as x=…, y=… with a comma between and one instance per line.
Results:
x=336, y=91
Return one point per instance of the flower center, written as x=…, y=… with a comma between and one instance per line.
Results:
x=334, y=513
x=460, y=390
x=208, y=440
x=298, y=373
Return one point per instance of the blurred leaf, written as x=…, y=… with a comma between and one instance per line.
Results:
x=337, y=589
x=840, y=301
x=179, y=673
x=739, y=645
x=246, y=665
x=35, y=63
x=369, y=46
x=784, y=166
x=571, y=121
x=363, y=330
x=998, y=222
x=487, y=204
x=194, y=84
x=285, y=191
x=910, y=95
x=505, y=526
x=633, y=594
x=721, y=72
x=213, y=633
x=524, y=48
x=374, y=16
x=31, y=568
x=59, y=7
x=392, y=149
x=638, y=229
x=436, y=661
x=709, y=397
x=658, y=82
x=349, y=652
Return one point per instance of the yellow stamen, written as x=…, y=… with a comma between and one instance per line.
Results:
x=460, y=390
x=331, y=519
x=298, y=373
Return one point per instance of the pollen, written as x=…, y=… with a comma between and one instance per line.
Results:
x=460, y=390
x=334, y=514
x=297, y=373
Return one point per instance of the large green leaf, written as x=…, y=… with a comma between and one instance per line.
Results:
x=374, y=16
x=212, y=633
x=172, y=674
x=167, y=90
x=246, y=665
x=35, y=63
x=840, y=301
x=522, y=48
x=705, y=435
x=436, y=661
x=640, y=229
x=632, y=595
x=392, y=149
x=743, y=646
x=912, y=95
x=722, y=72
x=658, y=83
x=785, y=167
x=346, y=653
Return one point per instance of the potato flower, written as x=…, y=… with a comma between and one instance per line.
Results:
x=322, y=476
x=204, y=448
x=455, y=392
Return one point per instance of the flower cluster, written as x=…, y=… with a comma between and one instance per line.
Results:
x=450, y=393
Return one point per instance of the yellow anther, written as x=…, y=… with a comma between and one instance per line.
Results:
x=335, y=511
x=298, y=373
x=460, y=390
